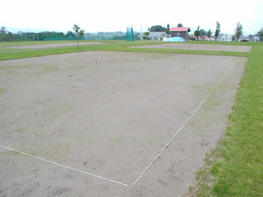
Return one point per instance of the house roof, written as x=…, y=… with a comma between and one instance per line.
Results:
x=180, y=29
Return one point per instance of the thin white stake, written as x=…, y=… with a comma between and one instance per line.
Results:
x=185, y=123
x=63, y=166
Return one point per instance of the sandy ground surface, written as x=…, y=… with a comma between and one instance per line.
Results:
x=91, y=123
x=206, y=47
x=44, y=46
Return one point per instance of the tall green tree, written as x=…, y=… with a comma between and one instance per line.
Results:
x=3, y=33
x=197, y=33
x=209, y=33
x=6, y=35
x=157, y=28
x=3, y=30
x=203, y=33
x=70, y=34
x=168, y=29
x=239, y=31
x=260, y=34
x=179, y=25
x=79, y=32
x=218, y=29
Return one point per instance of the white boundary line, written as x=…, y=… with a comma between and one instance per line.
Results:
x=154, y=159
x=63, y=166
x=184, y=124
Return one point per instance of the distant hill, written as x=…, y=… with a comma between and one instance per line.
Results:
x=15, y=30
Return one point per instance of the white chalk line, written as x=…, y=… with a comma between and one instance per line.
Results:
x=150, y=164
x=184, y=124
x=63, y=166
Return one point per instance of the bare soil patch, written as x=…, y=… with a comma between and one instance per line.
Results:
x=109, y=114
x=205, y=47
x=44, y=46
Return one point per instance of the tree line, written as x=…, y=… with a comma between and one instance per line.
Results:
x=76, y=34
x=200, y=33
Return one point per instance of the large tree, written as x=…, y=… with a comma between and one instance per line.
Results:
x=179, y=25
x=197, y=33
x=6, y=35
x=79, y=32
x=260, y=34
x=217, y=32
x=168, y=29
x=209, y=33
x=203, y=33
x=157, y=28
x=3, y=34
x=239, y=31
x=70, y=34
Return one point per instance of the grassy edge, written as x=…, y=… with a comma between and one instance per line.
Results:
x=128, y=47
x=234, y=167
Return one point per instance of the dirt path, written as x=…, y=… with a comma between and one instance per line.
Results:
x=205, y=47
x=111, y=123
x=44, y=46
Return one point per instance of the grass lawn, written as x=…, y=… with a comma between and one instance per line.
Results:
x=3, y=45
x=235, y=166
x=116, y=46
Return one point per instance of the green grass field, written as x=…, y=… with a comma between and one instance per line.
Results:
x=234, y=167
x=7, y=53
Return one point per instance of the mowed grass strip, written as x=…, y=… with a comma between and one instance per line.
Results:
x=61, y=50
x=235, y=166
x=117, y=46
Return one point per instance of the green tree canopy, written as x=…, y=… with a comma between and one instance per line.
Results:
x=168, y=29
x=260, y=34
x=239, y=31
x=157, y=28
x=70, y=34
x=6, y=35
x=197, y=33
x=203, y=33
x=79, y=32
x=179, y=25
x=209, y=33
x=217, y=32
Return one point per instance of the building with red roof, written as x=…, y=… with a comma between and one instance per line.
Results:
x=180, y=32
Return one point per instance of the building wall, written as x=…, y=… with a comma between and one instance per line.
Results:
x=181, y=34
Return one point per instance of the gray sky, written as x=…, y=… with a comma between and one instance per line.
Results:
x=116, y=15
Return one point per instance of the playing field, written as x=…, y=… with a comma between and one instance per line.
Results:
x=111, y=123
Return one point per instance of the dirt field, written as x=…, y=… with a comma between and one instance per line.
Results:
x=111, y=123
x=44, y=46
x=200, y=47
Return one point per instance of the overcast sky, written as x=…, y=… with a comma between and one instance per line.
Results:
x=116, y=15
